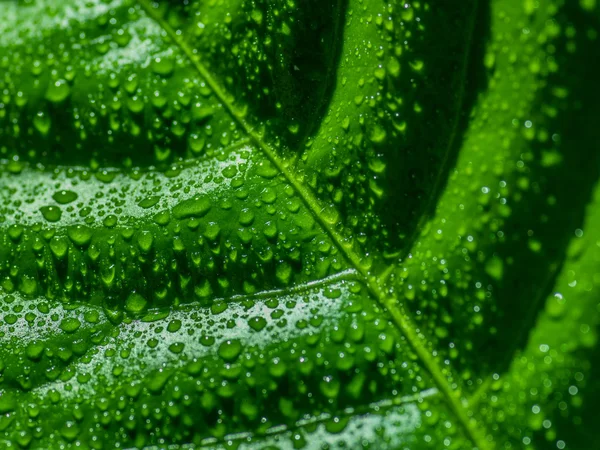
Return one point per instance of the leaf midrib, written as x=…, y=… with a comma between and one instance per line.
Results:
x=401, y=319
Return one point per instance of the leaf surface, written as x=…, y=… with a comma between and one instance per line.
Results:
x=297, y=224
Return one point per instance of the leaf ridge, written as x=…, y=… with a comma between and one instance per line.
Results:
x=376, y=407
x=415, y=338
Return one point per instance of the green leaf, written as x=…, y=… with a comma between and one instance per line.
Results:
x=285, y=224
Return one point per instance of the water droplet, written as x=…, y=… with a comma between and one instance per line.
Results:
x=59, y=247
x=377, y=134
x=230, y=350
x=163, y=66
x=393, y=67
x=63, y=197
x=149, y=202
x=145, y=240
x=79, y=234
x=193, y=207
x=257, y=323
x=135, y=304
x=246, y=217
x=70, y=325
x=51, y=213
x=42, y=123
x=257, y=16
x=58, y=91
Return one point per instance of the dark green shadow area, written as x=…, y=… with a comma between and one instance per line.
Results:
x=431, y=144
x=555, y=204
